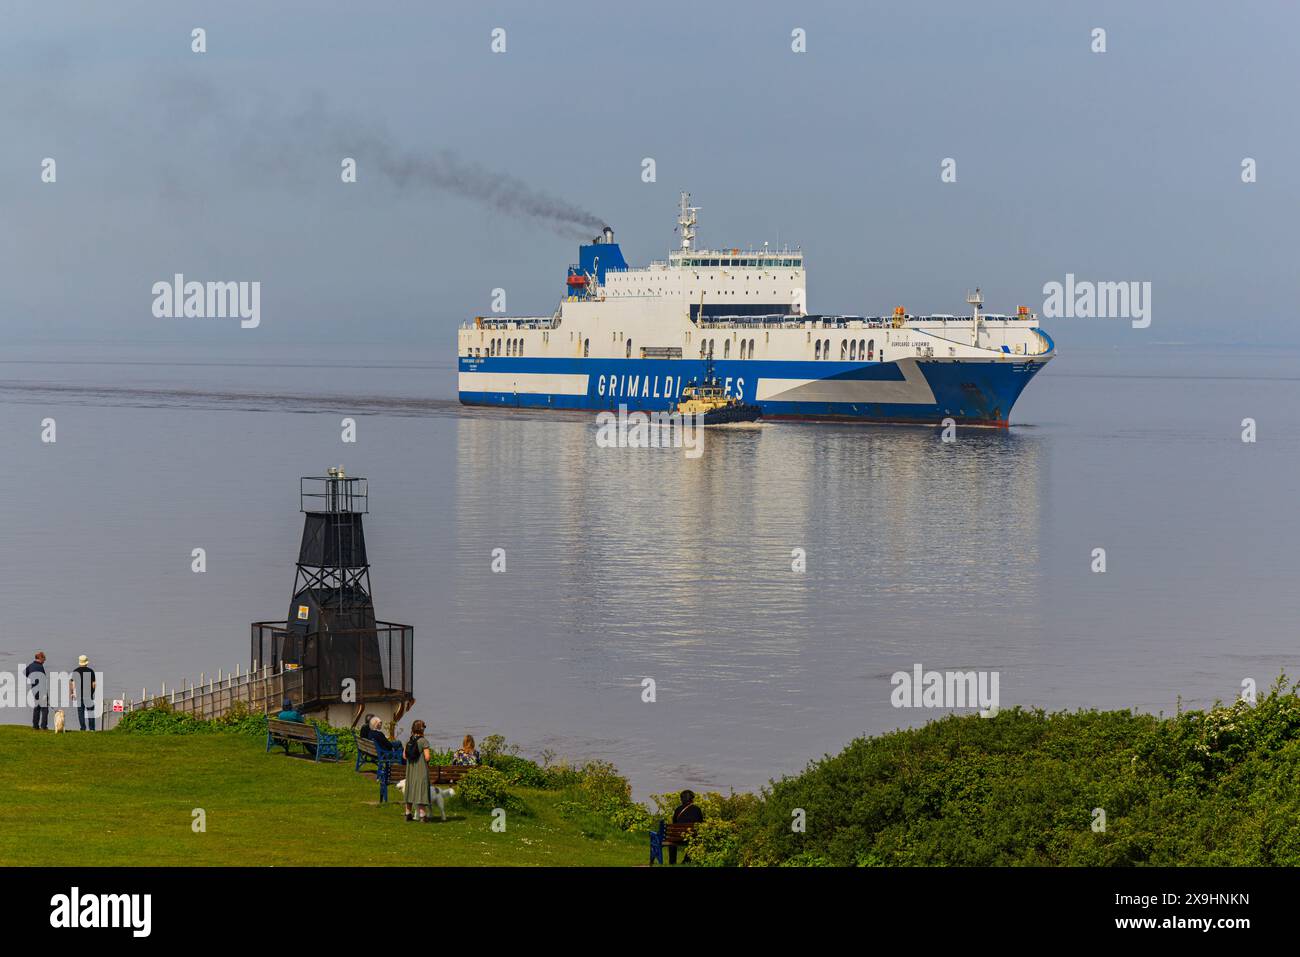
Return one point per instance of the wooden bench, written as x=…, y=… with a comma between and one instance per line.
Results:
x=439, y=775
x=368, y=753
x=319, y=744
x=668, y=835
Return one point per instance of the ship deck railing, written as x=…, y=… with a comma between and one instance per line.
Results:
x=772, y=321
x=511, y=322
x=844, y=322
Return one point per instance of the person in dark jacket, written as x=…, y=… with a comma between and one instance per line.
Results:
x=688, y=812
x=82, y=689
x=39, y=692
x=374, y=730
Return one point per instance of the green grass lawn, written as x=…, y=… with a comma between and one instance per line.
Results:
x=128, y=800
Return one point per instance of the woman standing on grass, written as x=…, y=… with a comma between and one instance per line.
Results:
x=418, y=792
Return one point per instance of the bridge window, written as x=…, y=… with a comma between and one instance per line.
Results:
x=871, y=348
x=844, y=349
x=853, y=350
x=817, y=352
x=826, y=348
x=726, y=348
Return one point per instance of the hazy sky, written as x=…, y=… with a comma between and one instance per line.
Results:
x=1123, y=165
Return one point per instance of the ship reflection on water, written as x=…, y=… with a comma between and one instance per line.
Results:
x=626, y=564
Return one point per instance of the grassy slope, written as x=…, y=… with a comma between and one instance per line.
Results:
x=118, y=799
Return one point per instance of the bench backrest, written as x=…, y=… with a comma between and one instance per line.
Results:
x=438, y=773
x=677, y=833
x=290, y=729
x=367, y=747
x=448, y=773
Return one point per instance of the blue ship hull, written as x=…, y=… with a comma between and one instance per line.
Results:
x=973, y=392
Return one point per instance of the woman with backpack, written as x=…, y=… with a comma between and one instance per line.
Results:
x=418, y=792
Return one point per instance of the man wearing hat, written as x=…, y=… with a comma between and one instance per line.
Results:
x=82, y=687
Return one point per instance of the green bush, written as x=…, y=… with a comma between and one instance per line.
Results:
x=157, y=721
x=1213, y=788
x=520, y=772
x=486, y=787
x=596, y=793
x=493, y=745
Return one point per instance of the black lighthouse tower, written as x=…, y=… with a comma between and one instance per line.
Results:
x=335, y=654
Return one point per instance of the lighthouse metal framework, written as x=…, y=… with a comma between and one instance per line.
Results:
x=347, y=661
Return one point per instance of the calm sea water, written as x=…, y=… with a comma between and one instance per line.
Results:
x=623, y=565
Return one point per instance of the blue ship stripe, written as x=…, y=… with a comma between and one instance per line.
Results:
x=968, y=391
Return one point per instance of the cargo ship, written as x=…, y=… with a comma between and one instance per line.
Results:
x=637, y=336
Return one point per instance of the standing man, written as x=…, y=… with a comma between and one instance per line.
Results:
x=82, y=687
x=38, y=693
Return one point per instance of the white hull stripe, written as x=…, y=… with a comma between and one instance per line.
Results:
x=544, y=383
x=912, y=390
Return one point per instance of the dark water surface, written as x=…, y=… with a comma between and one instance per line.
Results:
x=628, y=564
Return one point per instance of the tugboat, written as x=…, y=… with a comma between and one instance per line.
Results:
x=709, y=399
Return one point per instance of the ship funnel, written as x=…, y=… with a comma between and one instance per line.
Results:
x=607, y=235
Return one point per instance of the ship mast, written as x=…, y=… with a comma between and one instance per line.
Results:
x=975, y=300
x=686, y=220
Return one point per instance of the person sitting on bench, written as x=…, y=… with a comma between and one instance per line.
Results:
x=288, y=713
x=688, y=812
x=468, y=753
x=374, y=732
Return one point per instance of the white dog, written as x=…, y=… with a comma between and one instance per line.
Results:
x=439, y=796
x=58, y=722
